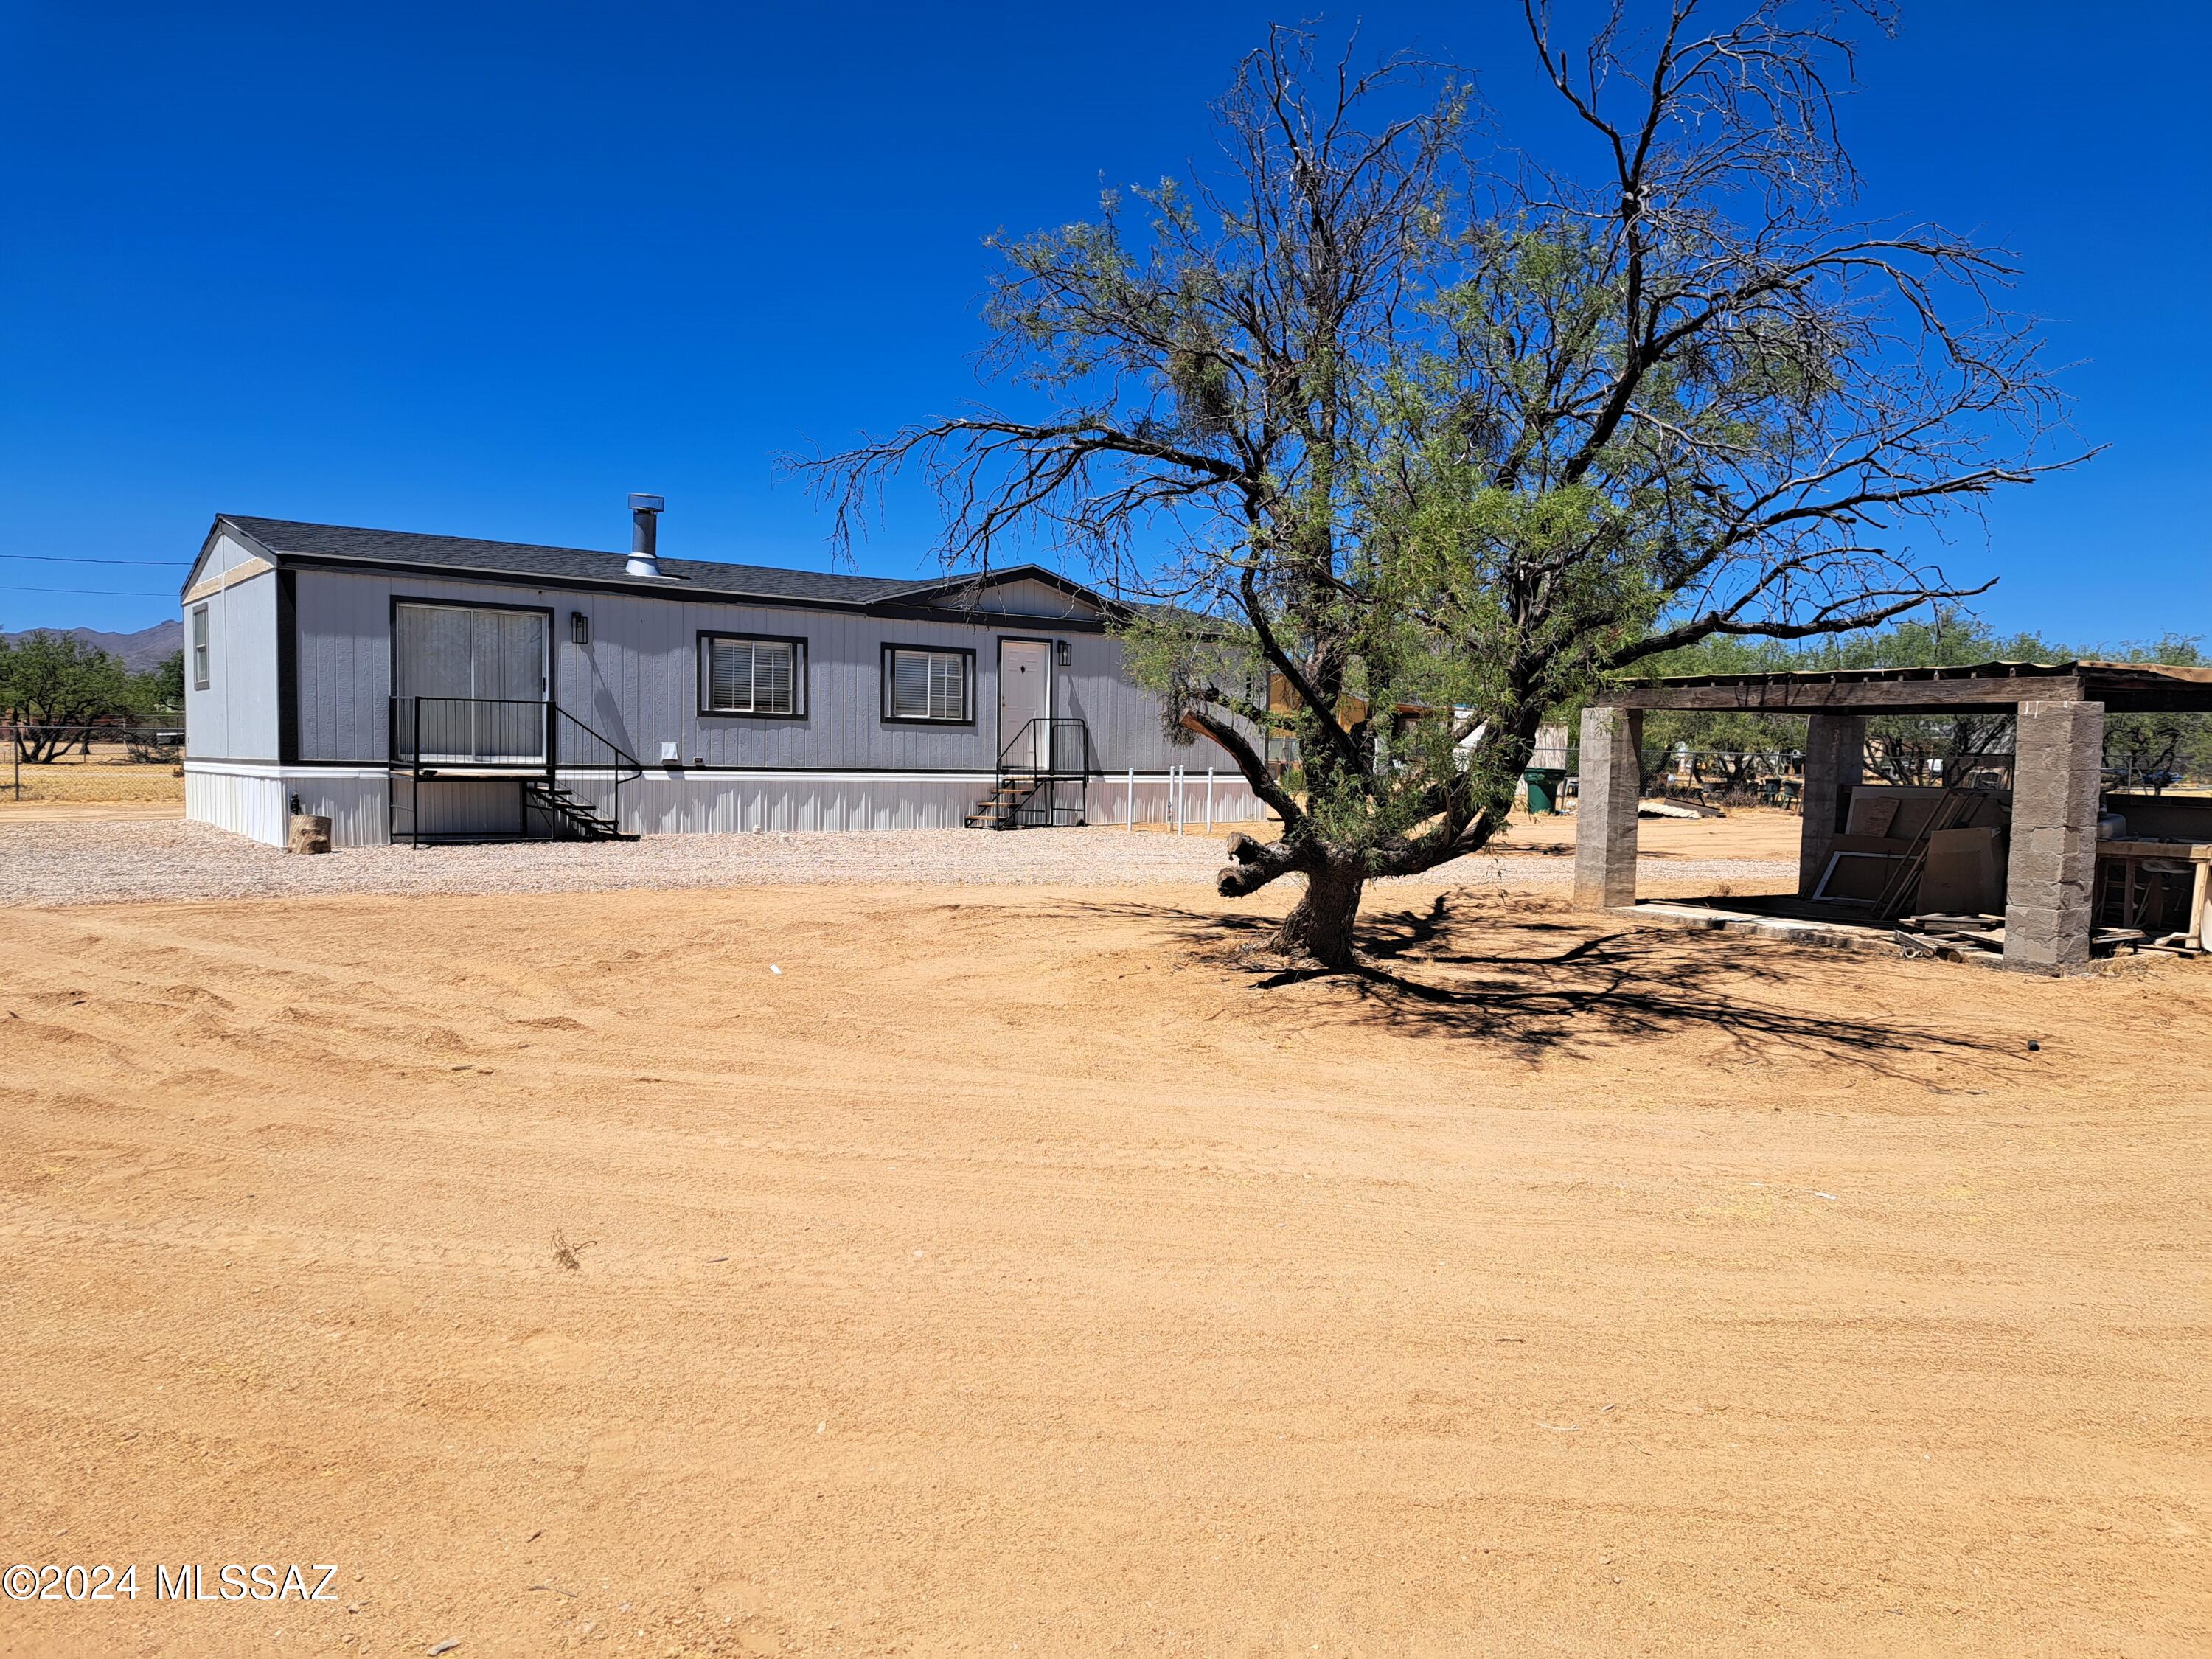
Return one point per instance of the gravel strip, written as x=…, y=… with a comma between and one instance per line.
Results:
x=100, y=863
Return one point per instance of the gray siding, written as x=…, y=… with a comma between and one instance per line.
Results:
x=637, y=680
x=228, y=553
x=1029, y=596
x=235, y=718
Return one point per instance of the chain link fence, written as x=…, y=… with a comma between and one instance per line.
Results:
x=91, y=762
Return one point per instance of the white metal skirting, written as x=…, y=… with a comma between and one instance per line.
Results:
x=245, y=803
x=708, y=803
x=725, y=803
x=253, y=802
x=456, y=806
x=356, y=803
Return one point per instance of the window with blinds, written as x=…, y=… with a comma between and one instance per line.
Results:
x=754, y=676
x=927, y=685
x=201, y=674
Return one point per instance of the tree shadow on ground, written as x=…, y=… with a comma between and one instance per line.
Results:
x=1424, y=972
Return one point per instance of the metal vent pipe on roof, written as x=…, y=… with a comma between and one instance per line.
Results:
x=644, y=512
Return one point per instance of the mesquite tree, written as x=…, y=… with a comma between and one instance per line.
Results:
x=1430, y=441
x=55, y=688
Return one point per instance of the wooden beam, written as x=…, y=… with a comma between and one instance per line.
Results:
x=244, y=571
x=1795, y=696
x=2181, y=701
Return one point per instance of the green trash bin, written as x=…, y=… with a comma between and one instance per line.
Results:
x=1544, y=783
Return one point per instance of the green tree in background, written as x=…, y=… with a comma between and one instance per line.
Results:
x=2158, y=749
x=56, y=689
x=165, y=683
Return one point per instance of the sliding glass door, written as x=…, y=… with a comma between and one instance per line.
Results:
x=470, y=684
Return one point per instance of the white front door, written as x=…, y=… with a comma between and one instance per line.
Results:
x=1025, y=695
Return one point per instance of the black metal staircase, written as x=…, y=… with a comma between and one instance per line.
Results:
x=1040, y=768
x=564, y=771
x=573, y=819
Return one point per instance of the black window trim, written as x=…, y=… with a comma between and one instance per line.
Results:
x=884, y=675
x=801, y=697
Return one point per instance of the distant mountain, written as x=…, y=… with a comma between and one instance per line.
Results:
x=140, y=651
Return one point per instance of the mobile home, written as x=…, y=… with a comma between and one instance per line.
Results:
x=426, y=688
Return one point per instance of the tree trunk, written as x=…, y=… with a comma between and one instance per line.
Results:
x=1319, y=925
x=43, y=744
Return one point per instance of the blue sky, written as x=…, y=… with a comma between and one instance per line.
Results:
x=483, y=269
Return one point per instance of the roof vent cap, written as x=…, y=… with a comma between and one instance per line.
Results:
x=644, y=512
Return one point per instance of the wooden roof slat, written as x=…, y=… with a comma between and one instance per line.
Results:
x=1991, y=685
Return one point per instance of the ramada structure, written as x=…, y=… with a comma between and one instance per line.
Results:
x=2065, y=864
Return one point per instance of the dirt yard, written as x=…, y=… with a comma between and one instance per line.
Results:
x=921, y=1270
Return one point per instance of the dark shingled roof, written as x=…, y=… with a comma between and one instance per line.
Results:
x=699, y=577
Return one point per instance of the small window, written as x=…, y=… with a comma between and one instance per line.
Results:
x=928, y=685
x=200, y=678
x=754, y=676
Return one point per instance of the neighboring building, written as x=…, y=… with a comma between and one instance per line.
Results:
x=421, y=687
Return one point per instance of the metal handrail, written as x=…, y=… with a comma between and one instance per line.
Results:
x=1054, y=729
x=625, y=766
x=479, y=730
x=1059, y=735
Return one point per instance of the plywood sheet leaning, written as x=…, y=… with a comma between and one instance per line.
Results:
x=1965, y=871
x=1872, y=814
x=1959, y=809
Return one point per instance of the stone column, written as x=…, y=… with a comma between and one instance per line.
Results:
x=1605, y=808
x=1835, y=760
x=2058, y=757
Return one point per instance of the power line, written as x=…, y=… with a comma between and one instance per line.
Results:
x=98, y=593
x=79, y=558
